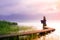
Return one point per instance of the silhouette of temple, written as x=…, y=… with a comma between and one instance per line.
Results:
x=44, y=22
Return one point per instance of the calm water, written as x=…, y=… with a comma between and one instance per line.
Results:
x=38, y=26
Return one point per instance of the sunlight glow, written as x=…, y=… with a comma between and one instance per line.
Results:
x=36, y=6
x=40, y=6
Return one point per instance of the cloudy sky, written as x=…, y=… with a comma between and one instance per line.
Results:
x=29, y=9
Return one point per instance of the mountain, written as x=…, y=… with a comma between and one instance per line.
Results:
x=29, y=17
x=20, y=17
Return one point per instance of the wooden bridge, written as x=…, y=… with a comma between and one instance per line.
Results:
x=42, y=32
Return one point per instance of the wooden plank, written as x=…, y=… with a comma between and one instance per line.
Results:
x=28, y=32
x=37, y=31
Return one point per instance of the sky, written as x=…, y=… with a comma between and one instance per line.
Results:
x=29, y=9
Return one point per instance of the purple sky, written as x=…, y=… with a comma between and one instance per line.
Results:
x=29, y=9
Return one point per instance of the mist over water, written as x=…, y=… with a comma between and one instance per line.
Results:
x=38, y=26
x=35, y=24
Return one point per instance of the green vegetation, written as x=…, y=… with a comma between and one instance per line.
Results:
x=8, y=27
x=12, y=27
x=24, y=28
x=28, y=37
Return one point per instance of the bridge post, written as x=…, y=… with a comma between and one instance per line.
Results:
x=17, y=37
x=44, y=22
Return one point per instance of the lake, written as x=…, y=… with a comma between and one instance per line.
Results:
x=38, y=26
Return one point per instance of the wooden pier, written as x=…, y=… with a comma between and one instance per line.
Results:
x=42, y=32
x=47, y=30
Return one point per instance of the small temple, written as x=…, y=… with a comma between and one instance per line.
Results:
x=44, y=22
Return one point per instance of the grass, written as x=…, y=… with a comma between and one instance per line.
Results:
x=29, y=37
x=24, y=28
x=12, y=27
x=8, y=27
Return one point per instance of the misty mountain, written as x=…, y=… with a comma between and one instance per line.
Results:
x=28, y=17
x=20, y=17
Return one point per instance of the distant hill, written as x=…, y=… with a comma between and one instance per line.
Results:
x=20, y=17
x=8, y=27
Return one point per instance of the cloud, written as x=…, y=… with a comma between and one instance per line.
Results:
x=8, y=7
x=28, y=9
